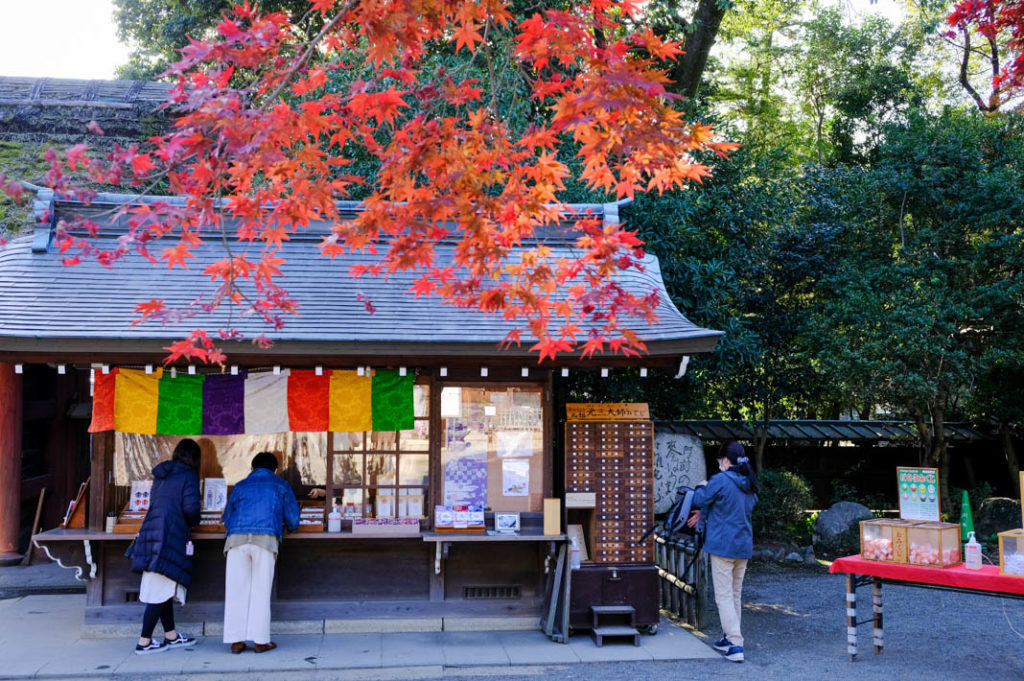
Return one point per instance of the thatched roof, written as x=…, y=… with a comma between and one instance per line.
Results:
x=63, y=106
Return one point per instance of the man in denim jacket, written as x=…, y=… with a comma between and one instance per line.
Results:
x=256, y=509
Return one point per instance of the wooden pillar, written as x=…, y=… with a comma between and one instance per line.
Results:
x=10, y=463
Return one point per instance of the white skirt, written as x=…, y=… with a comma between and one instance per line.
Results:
x=157, y=588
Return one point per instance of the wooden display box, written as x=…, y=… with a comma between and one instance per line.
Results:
x=398, y=527
x=934, y=544
x=885, y=539
x=129, y=521
x=210, y=522
x=311, y=516
x=1011, y=553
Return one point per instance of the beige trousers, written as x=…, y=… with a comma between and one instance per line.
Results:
x=248, y=578
x=727, y=576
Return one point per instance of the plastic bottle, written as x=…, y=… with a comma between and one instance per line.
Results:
x=972, y=553
x=334, y=520
x=574, y=554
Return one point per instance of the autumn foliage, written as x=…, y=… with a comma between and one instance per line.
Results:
x=266, y=127
x=999, y=21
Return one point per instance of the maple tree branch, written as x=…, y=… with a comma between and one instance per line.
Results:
x=964, y=81
x=311, y=48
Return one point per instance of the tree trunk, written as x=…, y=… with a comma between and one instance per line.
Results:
x=690, y=66
x=1012, y=462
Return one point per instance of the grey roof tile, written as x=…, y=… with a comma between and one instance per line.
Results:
x=41, y=298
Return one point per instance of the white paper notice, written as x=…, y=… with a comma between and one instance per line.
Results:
x=515, y=443
x=515, y=477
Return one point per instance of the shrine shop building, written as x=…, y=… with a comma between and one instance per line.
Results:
x=429, y=462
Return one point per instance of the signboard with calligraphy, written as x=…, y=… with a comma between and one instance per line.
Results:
x=919, y=493
x=599, y=411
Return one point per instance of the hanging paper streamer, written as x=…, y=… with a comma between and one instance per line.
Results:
x=266, y=403
x=392, y=400
x=102, y=401
x=223, y=405
x=181, y=405
x=136, y=395
x=308, y=401
x=350, y=402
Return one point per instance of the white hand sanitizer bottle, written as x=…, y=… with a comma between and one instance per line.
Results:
x=972, y=553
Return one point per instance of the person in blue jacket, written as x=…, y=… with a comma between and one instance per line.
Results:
x=727, y=503
x=162, y=551
x=256, y=509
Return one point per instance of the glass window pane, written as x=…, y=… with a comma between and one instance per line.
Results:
x=412, y=503
x=348, y=469
x=380, y=469
x=350, y=503
x=414, y=469
x=383, y=502
x=383, y=441
x=348, y=442
x=417, y=439
x=492, y=447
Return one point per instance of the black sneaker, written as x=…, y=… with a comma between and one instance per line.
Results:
x=153, y=647
x=183, y=641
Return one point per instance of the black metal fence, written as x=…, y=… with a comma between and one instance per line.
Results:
x=685, y=581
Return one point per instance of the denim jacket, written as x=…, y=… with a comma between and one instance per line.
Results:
x=727, y=503
x=258, y=505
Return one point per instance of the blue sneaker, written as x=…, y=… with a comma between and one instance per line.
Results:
x=734, y=654
x=723, y=645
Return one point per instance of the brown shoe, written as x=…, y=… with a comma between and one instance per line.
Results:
x=264, y=647
x=238, y=647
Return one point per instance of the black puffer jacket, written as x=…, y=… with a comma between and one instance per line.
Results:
x=173, y=509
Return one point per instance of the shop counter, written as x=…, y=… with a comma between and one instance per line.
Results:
x=328, y=577
x=860, y=572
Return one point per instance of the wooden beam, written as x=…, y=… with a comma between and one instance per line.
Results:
x=10, y=463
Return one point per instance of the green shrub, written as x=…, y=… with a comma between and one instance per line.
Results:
x=781, y=503
x=844, y=491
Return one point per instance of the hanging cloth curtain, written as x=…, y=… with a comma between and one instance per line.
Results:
x=103, y=400
x=392, y=400
x=180, y=411
x=224, y=404
x=350, y=402
x=136, y=395
x=266, y=403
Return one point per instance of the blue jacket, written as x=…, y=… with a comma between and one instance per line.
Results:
x=727, y=502
x=259, y=503
x=173, y=510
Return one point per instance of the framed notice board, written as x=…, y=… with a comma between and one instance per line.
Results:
x=919, y=493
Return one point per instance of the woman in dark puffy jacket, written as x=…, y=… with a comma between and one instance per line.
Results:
x=163, y=549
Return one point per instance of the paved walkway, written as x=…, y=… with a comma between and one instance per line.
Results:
x=40, y=638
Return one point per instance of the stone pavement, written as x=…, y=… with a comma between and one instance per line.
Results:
x=38, y=578
x=40, y=637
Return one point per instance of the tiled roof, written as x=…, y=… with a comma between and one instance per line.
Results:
x=47, y=306
x=855, y=431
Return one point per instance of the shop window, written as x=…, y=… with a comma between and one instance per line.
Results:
x=492, y=447
x=383, y=474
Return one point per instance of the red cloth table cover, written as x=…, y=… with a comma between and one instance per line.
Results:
x=985, y=579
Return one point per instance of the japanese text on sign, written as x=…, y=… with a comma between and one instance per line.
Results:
x=596, y=411
x=919, y=493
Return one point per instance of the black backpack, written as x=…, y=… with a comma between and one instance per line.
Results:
x=675, y=520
